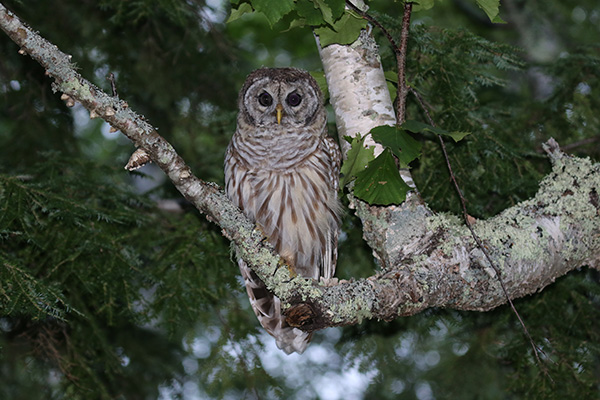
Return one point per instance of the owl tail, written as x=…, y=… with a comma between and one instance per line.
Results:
x=267, y=308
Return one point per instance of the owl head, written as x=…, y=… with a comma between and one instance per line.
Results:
x=280, y=96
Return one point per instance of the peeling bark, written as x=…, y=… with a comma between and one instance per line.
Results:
x=429, y=260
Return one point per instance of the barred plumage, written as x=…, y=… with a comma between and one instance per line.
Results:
x=283, y=171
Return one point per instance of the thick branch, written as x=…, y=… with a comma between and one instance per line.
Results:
x=436, y=263
x=431, y=261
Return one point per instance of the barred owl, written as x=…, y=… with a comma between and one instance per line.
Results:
x=282, y=170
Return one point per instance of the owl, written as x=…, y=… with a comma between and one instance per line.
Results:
x=282, y=170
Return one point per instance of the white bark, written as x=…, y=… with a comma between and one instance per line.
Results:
x=357, y=89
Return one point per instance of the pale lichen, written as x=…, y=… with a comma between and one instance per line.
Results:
x=357, y=304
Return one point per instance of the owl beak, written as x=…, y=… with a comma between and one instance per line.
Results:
x=279, y=109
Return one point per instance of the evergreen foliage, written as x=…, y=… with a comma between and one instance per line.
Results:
x=104, y=295
x=91, y=285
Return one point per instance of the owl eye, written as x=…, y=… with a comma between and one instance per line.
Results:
x=265, y=99
x=293, y=99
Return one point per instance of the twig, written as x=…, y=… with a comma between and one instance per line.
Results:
x=373, y=21
x=536, y=349
x=401, y=53
x=113, y=85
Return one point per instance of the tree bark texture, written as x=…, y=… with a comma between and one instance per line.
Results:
x=428, y=260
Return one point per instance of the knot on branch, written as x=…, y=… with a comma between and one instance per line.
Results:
x=301, y=315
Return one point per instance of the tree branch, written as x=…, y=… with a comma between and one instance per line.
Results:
x=430, y=260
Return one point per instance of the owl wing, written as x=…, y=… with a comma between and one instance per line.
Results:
x=335, y=157
x=331, y=147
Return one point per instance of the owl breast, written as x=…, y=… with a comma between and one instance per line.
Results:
x=276, y=148
x=295, y=206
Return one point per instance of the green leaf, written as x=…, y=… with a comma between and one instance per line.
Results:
x=457, y=135
x=273, y=10
x=399, y=141
x=391, y=76
x=420, y=127
x=381, y=183
x=309, y=12
x=237, y=13
x=336, y=6
x=296, y=23
x=421, y=5
x=325, y=11
x=491, y=8
x=344, y=31
x=356, y=160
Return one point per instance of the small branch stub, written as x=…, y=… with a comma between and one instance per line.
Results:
x=552, y=148
x=138, y=159
x=67, y=99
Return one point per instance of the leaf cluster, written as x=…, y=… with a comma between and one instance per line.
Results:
x=377, y=180
x=332, y=23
